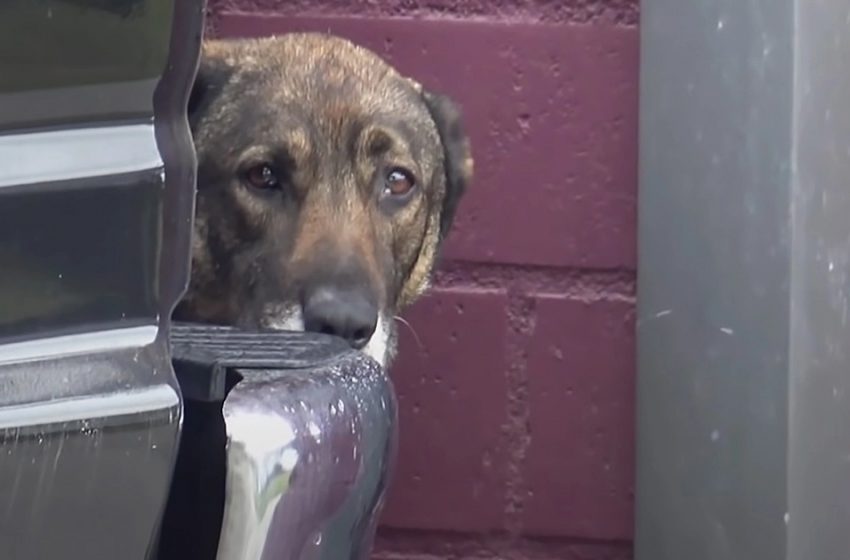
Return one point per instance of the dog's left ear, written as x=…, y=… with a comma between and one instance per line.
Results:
x=212, y=76
x=457, y=154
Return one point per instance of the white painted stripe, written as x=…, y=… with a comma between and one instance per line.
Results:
x=76, y=344
x=136, y=401
x=41, y=157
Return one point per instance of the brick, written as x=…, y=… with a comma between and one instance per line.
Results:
x=451, y=391
x=552, y=113
x=580, y=464
x=418, y=545
x=608, y=11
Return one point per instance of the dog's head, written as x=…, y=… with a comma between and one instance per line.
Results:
x=326, y=184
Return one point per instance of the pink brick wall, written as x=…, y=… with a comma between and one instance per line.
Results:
x=517, y=392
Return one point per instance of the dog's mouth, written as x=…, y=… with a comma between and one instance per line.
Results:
x=282, y=318
x=291, y=318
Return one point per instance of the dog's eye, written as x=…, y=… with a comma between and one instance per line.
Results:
x=399, y=182
x=262, y=176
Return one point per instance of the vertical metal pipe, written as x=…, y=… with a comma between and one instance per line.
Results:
x=743, y=280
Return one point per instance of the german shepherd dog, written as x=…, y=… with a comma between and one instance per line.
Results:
x=327, y=183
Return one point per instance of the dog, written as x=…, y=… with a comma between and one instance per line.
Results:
x=327, y=183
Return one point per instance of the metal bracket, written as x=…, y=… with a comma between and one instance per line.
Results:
x=294, y=436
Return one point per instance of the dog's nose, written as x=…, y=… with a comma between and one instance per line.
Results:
x=344, y=313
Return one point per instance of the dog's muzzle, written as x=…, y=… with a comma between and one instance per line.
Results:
x=346, y=313
x=339, y=312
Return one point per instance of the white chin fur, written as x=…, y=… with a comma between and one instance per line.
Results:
x=292, y=320
x=289, y=320
x=377, y=346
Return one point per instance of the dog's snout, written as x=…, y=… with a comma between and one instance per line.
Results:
x=347, y=314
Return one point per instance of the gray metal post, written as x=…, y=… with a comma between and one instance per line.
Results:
x=744, y=279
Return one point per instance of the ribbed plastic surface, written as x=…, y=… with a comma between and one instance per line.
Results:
x=204, y=354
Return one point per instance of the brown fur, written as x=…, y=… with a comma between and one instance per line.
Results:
x=333, y=117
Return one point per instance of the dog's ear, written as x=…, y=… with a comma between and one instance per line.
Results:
x=213, y=74
x=457, y=154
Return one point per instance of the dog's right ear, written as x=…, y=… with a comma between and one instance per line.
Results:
x=457, y=154
x=213, y=74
